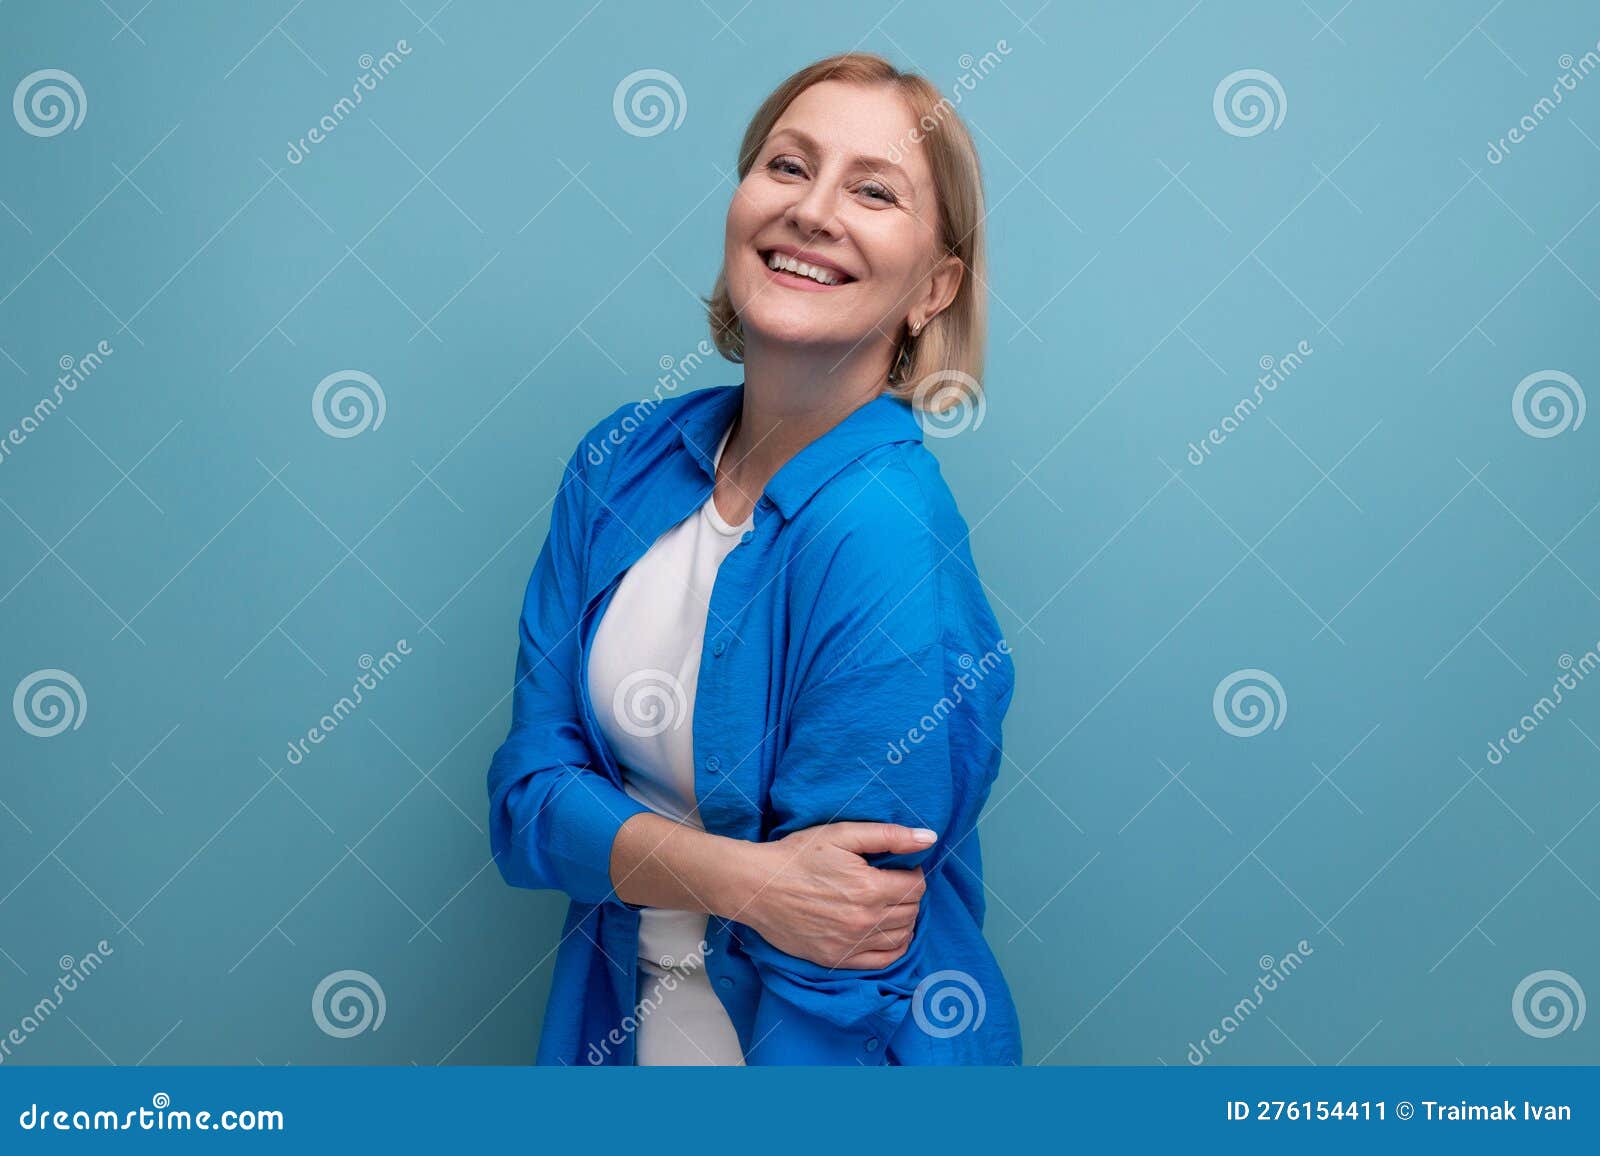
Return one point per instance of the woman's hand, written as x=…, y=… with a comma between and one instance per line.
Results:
x=817, y=898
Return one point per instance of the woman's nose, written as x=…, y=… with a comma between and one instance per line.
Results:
x=813, y=213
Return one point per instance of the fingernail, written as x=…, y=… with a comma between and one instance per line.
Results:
x=923, y=835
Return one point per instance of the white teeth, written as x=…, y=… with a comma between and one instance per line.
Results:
x=788, y=264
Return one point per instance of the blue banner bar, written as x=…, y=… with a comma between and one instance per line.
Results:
x=763, y=1110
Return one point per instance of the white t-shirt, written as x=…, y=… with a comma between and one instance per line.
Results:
x=644, y=666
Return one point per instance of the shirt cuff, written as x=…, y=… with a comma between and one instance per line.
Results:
x=589, y=815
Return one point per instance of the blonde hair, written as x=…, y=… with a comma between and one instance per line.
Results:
x=951, y=345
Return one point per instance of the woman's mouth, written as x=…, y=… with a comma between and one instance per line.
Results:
x=797, y=274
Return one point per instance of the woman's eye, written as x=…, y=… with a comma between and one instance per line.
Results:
x=879, y=192
x=784, y=164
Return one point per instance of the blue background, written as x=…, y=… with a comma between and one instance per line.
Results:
x=483, y=238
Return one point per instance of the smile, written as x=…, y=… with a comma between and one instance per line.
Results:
x=791, y=271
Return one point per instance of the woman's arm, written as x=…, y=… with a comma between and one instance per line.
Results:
x=880, y=730
x=819, y=1015
x=811, y=894
x=552, y=816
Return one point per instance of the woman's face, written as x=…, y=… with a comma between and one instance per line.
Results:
x=823, y=190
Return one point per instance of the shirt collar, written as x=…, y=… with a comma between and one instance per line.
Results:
x=882, y=421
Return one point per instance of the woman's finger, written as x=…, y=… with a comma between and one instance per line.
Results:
x=870, y=960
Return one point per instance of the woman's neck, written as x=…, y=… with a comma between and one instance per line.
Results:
x=792, y=396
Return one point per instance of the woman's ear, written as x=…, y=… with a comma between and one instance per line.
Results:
x=943, y=284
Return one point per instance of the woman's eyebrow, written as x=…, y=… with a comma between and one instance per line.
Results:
x=874, y=164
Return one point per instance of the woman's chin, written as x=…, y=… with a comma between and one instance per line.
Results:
x=790, y=330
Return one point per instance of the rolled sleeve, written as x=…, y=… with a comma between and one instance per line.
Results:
x=552, y=816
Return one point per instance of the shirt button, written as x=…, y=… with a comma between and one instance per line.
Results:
x=713, y=764
x=746, y=536
x=725, y=982
x=872, y=1045
x=721, y=645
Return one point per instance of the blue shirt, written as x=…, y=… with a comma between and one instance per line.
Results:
x=852, y=670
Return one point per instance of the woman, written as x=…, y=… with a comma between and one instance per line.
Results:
x=759, y=689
